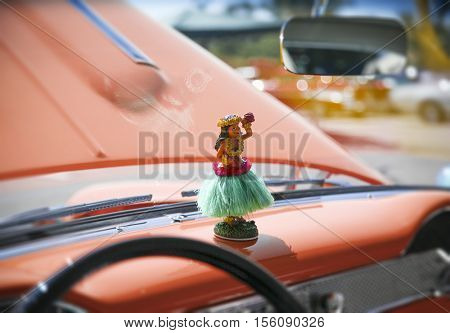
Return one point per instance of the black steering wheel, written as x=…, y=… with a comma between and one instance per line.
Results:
x=236, y=265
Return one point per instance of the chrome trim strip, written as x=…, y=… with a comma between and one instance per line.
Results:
x=115, y=36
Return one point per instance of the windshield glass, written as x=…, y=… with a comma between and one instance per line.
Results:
x=375, y=118
x=397, y=124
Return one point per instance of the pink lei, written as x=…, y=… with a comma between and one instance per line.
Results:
x=222, y=170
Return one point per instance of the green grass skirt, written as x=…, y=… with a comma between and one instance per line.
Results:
x=233, y=195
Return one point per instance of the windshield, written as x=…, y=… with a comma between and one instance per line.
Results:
x=397, y=124
x=374, y=118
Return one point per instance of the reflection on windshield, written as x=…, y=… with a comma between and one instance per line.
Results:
x=165, y=182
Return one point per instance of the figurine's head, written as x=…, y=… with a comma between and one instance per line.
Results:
x=234, y=131
x=229, y=128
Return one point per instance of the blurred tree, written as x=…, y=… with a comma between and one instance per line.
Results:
x=239, y=49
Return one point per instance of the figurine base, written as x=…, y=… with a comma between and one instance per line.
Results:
x=240, y=231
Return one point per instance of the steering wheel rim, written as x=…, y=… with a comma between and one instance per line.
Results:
x=255, y=276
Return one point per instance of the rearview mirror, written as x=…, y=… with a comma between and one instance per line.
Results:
x=343, y=46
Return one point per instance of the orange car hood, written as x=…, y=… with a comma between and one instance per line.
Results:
x=71, y=99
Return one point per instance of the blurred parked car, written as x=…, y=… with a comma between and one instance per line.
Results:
x=428, y=96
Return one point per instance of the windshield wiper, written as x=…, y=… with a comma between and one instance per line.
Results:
x=47, y=213
x=281, y=182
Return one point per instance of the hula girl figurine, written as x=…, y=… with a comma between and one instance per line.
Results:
x=235, y=190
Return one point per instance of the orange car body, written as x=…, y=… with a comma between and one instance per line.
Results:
x=72, y=100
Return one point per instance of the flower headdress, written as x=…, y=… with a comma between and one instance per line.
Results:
x=229, y=120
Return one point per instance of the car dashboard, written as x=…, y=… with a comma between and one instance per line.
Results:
x=375, y=259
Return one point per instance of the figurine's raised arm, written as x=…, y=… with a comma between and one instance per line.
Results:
x=247, y=124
